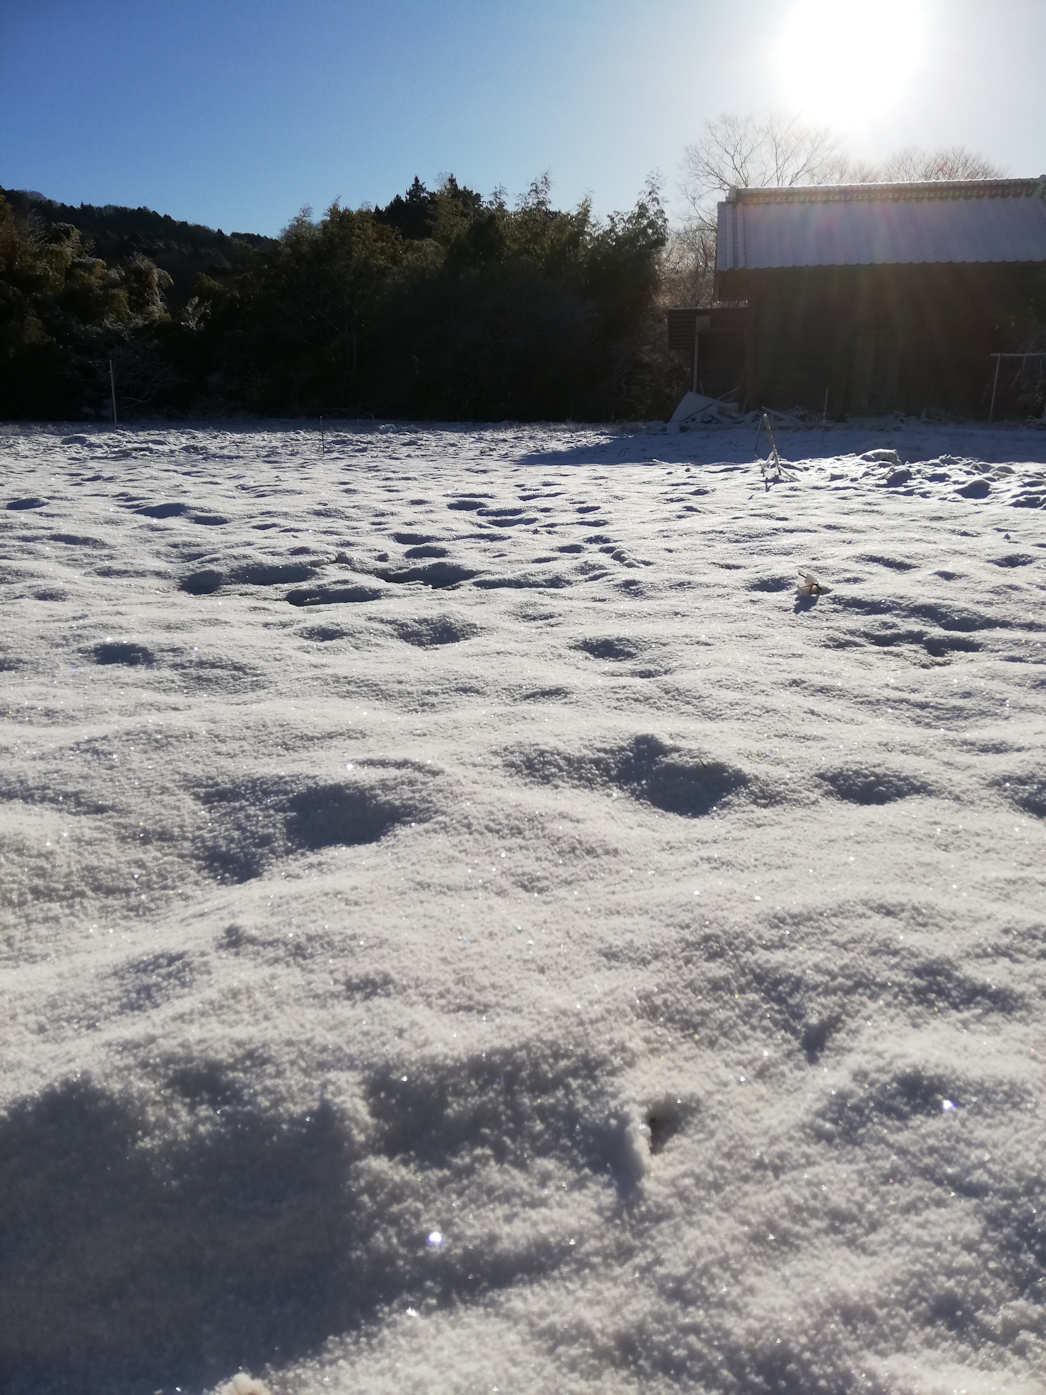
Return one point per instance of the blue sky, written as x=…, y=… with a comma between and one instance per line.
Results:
x=237, y=114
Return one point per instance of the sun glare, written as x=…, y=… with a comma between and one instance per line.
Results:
x=840, y=63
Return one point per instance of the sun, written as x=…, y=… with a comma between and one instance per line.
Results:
x=842, y=63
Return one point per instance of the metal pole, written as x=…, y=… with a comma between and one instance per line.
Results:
x=112, y=389
x=995, y=385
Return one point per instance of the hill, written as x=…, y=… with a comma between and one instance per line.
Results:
x=117, y=235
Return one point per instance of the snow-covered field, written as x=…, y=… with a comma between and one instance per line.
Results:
x=469, y=925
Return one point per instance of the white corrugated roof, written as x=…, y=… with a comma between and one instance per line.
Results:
x=868, y=224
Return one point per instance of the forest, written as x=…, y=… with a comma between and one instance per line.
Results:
x=443, y=304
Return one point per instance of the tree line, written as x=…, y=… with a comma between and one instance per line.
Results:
x=441, y=304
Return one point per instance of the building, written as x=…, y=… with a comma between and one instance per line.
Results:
x=877, y=297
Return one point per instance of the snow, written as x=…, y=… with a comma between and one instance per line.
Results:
x=470, y=923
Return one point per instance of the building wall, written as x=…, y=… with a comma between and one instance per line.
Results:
x=881, y=338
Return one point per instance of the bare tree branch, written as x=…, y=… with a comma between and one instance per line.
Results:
x=775, y=150
x=954, y=162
